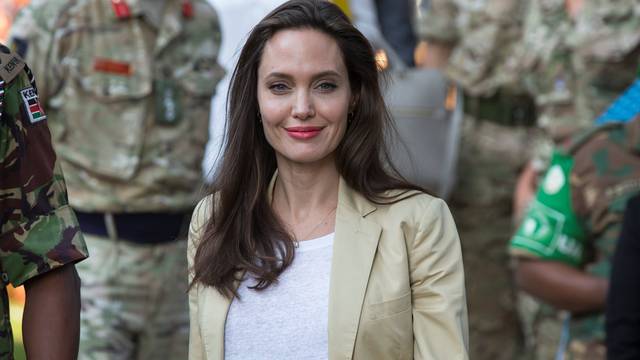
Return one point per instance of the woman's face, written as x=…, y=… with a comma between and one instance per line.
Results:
x=303, y=95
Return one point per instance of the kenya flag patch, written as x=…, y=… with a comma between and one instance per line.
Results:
x=32, y=105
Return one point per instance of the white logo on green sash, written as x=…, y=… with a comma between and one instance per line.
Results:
x=555, y=180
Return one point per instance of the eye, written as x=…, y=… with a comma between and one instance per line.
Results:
x=278, y=88
x=327, y=86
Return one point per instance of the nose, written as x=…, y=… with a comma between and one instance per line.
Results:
x=303, y=107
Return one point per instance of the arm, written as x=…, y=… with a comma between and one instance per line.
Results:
x=40, y=236
x=561, y=285
x=573, y=7
x=52, y=298
x=433, y=54
x=524, y=191
x=623, y=303
x=365, y=18
x=440, y=325
x=436, y=27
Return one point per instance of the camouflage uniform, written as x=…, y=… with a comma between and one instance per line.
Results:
x=551, y=80
x=576, y=216
x=129, y=85
x=39, y=231
x=485, y=36
x=572, y=86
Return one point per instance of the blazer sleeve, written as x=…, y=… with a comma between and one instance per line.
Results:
x=440, y=325
x=196, y=228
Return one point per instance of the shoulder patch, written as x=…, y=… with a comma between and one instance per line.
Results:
x=31, y=105
x=10, y=64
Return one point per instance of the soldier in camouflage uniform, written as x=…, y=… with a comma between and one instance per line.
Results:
x=128, y=84
x=571, y=88
x=552, y=82
x=38, y=230
x=483, y=38
x=566, y=241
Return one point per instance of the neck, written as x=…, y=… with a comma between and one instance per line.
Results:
x=302, y=191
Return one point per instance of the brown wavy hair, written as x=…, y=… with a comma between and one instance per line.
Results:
x=243, y=232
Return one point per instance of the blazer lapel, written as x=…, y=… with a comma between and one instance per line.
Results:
x=355, y=244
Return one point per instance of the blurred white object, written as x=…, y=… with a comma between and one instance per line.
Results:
x=237, y=18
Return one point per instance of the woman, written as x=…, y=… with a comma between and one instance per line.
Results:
x=377, y=271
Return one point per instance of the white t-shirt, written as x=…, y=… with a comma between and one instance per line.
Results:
x=288, y=320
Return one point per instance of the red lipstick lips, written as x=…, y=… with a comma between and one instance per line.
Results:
x=303, y=132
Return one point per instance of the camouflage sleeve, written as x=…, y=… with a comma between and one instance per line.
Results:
x=38, y=229
x=436, y=20
x=32, y=37
x=551, y=229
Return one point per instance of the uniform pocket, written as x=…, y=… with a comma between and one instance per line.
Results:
x=100, y=111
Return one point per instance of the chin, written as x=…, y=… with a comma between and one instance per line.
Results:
x=306, y=158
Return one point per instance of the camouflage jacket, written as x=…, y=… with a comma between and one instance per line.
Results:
x=486, y=36
x=39, y=231
x=577, y=213
x=128, y=88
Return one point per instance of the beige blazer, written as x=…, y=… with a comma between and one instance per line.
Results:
x=397, y=284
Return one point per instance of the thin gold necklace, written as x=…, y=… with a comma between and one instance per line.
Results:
x=323, y=221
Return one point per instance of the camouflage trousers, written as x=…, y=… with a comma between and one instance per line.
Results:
x=134, y=301
x=491, y=156
x=583, y=350
x=541, y=327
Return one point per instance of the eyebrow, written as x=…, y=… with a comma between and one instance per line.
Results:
x=325, y=73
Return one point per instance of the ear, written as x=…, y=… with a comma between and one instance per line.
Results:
x=354, y=102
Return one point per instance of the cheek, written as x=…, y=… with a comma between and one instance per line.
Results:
x=273, y=110
x=337, y=114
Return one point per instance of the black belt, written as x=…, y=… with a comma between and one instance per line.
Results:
x=503, y=108
x=139, y=228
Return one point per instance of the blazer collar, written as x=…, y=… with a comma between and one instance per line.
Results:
x=354, y=247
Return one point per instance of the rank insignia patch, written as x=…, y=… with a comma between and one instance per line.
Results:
x=32, y=105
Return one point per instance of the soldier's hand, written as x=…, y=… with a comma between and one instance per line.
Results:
x=432, y=55
x=573, y=7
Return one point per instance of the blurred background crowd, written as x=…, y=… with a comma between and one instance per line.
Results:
x=521, y=113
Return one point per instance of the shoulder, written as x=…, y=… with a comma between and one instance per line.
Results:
x=202, y=213
x=411, y=199
x=204, y=25
x=415, y=209
x=603, y=135
x=204, y=9
x=11, y=66
x=36, y=22
x=205, y=13
x=43, y=12
x=199, y=219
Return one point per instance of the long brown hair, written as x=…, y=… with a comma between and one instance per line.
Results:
x=243, y=232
